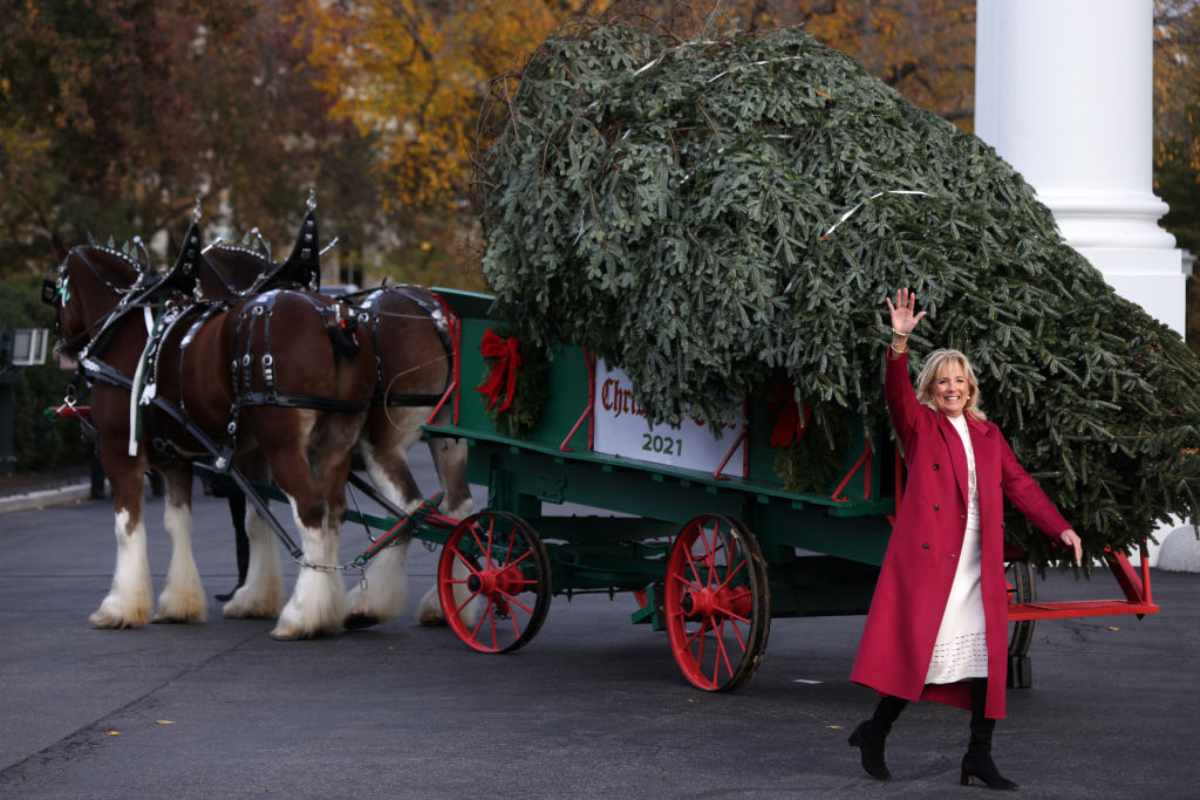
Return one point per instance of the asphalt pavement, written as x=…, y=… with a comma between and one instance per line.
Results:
x=594, y=707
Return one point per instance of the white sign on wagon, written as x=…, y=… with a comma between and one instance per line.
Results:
x=621, y=430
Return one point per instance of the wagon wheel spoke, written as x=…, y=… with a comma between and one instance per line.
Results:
x=698, y=639
x=490, y=534
x=466, y=562
x=737, y=632
x=516, y=602
x=459, y=610
x=691, y=563
x=730, y=576
x=478, y=541
x=731, y=614
x=512, y=541
x=527, y=554
x=482, y=618
x=516, y=626
x=492, y=614
x=720, y=636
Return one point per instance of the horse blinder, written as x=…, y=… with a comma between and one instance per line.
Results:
x=49, y=291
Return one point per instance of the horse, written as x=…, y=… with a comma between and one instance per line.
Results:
x=282, y=374
x=409, y=329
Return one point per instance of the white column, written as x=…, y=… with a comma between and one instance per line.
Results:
x=1064, y=92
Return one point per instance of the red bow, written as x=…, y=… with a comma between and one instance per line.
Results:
x=503, y=377
x=789, y=428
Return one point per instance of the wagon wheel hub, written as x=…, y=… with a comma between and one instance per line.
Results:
x=700, y=603
x=496, y=582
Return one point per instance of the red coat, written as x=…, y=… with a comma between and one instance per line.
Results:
x=922, y=555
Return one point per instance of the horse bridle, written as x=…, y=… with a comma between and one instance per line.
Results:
x=53, y=289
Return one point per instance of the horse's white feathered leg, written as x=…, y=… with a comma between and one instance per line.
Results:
x=128, y=601
x=386, y=591
x=430, y=612
x=450, y=458
x=318, y=603
x=182, y=599
x=261, y=596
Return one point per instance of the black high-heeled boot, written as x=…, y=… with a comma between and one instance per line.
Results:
x=977, y=763
x=869, y=736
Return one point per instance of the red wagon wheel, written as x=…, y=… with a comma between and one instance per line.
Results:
x=494, y=582
x=717, y=603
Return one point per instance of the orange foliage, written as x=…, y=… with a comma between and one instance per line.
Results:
x=1176, y=84
x=412, y=75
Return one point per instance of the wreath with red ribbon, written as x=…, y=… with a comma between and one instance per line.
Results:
x=514, y=389
x=810, y=443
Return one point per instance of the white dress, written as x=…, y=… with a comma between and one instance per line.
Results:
x=961, y=648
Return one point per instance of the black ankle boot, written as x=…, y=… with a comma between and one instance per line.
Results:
x=869, y=737
x=977, y=763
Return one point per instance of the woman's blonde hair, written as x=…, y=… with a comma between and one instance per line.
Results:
x=935, y=362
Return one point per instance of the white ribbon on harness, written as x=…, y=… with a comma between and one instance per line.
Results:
x=138, y=376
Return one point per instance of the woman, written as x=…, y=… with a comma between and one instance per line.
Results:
x=938, y=628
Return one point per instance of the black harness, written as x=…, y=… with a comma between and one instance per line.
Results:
x=433, y=309
x=257, y=314
x=254, y=315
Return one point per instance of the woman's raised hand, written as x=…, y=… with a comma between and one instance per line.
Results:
x=904, y=316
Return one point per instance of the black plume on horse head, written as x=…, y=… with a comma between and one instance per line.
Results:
x=182, y=276
x=303, y=266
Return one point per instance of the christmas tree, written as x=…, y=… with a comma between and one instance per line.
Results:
x=713, y=213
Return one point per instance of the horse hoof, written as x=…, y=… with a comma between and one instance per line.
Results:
x=170, y=618
x=281, y=635
x=357, y=620
x=109, y=620
x=293, y=634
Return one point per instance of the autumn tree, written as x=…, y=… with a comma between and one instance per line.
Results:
x=1176, y=139
x=117, y=113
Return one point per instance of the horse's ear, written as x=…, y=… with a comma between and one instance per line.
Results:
x=304, y=264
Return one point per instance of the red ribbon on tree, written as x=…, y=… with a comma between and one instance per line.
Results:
x=789, y=427
x=500, y=386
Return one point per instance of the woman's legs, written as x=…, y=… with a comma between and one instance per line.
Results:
x=978, y=760
x=869, y=736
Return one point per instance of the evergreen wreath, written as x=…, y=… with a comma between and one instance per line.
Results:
x=530, y=393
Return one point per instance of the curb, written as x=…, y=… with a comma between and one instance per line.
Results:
x=46, y=497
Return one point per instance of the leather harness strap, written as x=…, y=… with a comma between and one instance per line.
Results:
x=433, y=310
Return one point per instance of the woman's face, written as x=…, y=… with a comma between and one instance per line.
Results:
x=950, y=389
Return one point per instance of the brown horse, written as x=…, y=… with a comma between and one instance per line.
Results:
x=410, y=332
x=281, y=374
